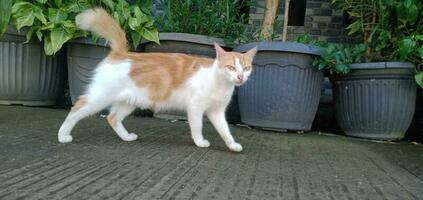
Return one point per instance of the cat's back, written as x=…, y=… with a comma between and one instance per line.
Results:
x=162, y=73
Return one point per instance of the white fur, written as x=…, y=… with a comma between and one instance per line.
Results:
x=208, y=92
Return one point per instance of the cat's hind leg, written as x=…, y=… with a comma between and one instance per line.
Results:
x=82, y=108
x=117, y=113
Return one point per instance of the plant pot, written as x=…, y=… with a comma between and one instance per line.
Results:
x=199, y=45
x=83, y=56
x=376, y=100
x=27, y=75
x=283, y=90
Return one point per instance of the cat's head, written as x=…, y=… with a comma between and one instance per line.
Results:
x=236, y=67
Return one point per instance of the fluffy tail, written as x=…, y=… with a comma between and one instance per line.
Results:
x=100, y=22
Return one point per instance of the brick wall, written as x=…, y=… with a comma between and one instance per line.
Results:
x=321, y=20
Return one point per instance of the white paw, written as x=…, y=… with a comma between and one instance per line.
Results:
x=235, y=147
x=202, y=143
x=65, y=138
x=130, y=137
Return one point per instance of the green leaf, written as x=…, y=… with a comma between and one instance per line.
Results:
x=56, y=40
x=39, y=35
x=57, y=15
x=59, y=3
x=5, y=13
x=151, y=35
x=108, y=3
x=354, y=27
x=25, y=20
x=341, y=68
x=419, y=37
x=136, y=38
x=47, y=26
x=134, y=23
x=406, y=46
x=42, y=1
x=419, y=78
x=29, y=33
x=39, y=15
x=420, y=51
x=412, y=14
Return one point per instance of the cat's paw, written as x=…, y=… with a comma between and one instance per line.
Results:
x=130, y=137
x=203, y=143
x=65, y=138
x=235, y=147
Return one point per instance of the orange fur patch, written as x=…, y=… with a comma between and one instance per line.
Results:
x=111, y=118
x=79, y=104
x=163, y=72
x=228, y=59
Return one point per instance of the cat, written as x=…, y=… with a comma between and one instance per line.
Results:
x=126, y=80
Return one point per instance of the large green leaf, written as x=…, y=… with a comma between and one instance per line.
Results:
x=136, y=38
x=406, y=46
x=57, y=15
x=56, y=40
x=23, y=14
x=39, y=15
x=151, y=35
x=134, y=23
x=5, y=12
x=412, y=14
x=419, y=78
x=420, y=51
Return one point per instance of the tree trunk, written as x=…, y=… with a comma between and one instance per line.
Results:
x=285, y=21
x=269, y=18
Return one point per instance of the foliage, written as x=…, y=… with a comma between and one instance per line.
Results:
x=5, y=12
x=53, y=21
x=391, y=29
x=335, y=58
x=218, y=18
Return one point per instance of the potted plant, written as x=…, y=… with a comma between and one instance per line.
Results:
x=193, y=27
x=376, y=99
x=284, y=88
x=85, y=53
x=30, y=74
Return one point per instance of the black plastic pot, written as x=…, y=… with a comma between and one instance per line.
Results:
x=283, y=90
x=376, y=100
x=27, y=75
x=199, y=45
x=83, y=56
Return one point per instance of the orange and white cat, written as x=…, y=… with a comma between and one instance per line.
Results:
x=126, y=80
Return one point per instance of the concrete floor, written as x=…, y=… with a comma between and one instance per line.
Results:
x=165, y=164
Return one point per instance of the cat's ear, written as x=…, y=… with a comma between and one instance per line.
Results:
x=219, y=50
x=251, y=53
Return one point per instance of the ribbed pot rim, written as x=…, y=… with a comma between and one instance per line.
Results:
x=382, y=65
x=189, y=37
x=281, y=47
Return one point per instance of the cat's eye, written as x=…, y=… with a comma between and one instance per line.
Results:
x=247, y=68
x=232, y=68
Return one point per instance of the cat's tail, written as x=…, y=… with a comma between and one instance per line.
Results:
x=100, y=22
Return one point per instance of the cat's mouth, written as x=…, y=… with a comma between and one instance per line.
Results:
x=239, y=83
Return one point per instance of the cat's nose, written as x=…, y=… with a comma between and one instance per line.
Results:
x=240, y=77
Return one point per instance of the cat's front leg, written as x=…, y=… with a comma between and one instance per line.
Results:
x=217, y=118
x=195, y=119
